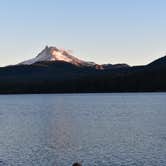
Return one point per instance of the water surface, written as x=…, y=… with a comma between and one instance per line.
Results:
x=123, y=129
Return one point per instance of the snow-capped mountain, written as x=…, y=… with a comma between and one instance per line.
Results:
x=57, y=71
x=55, y=54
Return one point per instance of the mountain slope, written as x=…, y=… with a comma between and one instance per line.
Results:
x=55, y=54
x=159, y=62
x=44, y=75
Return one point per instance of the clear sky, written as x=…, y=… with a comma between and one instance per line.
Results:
x=104, y=31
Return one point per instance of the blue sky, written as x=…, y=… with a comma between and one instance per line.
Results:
x=104, y=31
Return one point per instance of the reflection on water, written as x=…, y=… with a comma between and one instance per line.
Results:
x=96, y=129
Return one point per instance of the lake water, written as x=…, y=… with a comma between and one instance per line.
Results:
x=123, y=129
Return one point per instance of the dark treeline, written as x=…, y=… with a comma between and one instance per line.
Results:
x=61, y=77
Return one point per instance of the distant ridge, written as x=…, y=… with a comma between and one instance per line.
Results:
x=160, y=61
x=55, y=70
x=54, y=54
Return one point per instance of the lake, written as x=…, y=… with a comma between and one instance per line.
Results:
x=118, y=129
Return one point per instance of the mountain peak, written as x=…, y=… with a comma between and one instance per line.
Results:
x=55, y=54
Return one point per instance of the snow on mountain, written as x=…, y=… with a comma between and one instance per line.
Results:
x=55, y=54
